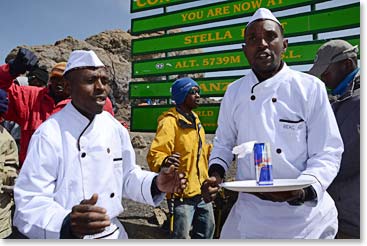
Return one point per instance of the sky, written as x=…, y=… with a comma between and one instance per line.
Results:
x=39, y=22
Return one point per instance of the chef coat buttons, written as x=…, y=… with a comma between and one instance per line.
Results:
x=253, y=97
x=273, y=99
x=84, y=154
x=279, y=151
x=108, y=150
x=112, y=195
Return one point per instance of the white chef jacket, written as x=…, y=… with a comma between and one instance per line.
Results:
x=291, y=111
x=69, y=158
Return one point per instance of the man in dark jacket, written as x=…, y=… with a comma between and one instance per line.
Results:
x=336, y=64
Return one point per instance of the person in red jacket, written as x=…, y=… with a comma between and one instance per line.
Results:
x=29, y=106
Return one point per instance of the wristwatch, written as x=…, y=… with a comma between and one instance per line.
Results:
x=308, y=194
x=300, y=200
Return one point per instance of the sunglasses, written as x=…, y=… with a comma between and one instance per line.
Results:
x=193, y=91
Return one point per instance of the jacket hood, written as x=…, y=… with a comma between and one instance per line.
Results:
x=182, y=120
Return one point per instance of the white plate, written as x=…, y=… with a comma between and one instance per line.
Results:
x=278, y=185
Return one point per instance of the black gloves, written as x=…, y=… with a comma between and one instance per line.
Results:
x=3, y=101
x=24, y=61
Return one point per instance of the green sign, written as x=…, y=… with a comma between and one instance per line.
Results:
x=300, y=24
x=141, y=5
x=209, y=87
x=297, y=53
x=144, y=118
x=210, y=13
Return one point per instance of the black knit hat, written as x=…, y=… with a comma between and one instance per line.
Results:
x=39, y=73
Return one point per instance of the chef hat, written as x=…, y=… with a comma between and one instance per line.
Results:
x=180, y=89
x=262, y=14
x=82, y=58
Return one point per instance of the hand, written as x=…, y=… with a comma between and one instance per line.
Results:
x=169, y=180
x=210, y=188
x=283, y=196
x=173, y=159
x=3, y=101
x=25, y=60
x=87, y=219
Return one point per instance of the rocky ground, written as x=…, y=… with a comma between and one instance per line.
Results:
x=146, y=222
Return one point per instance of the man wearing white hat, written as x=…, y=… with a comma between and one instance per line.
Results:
x=290, y=111
x=29, y=106
x=81, y=163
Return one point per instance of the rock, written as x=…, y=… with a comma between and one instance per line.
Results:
x=138, y=142
x=160, y=216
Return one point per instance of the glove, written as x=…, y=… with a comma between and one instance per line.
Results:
x=25, y=60
x=243, y=149
x=3, y=101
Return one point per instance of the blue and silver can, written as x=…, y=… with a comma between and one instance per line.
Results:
x=263, y=167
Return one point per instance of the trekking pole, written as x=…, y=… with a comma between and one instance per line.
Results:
x=219, y=215
x=217, y=230
x=171, y=211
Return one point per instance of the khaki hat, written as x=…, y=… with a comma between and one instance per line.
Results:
x=331, y=52
x=58, y=69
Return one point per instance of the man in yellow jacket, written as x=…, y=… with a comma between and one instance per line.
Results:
x=180, y=141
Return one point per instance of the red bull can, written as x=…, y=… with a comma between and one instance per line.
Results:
x=263, y=167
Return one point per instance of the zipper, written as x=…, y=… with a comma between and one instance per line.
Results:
x=199, y=151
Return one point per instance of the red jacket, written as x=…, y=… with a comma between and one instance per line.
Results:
x=29, y=106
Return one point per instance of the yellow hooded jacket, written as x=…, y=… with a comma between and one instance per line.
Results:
x=175, y=133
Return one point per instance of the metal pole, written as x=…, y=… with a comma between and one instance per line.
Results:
x=166, y=55
x=315, y=36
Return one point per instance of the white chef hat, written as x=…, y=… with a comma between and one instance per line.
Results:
x=82, y=58
x=264, y=14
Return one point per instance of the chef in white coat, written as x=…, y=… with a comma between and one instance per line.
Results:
x=289, y=110
x=80, y=163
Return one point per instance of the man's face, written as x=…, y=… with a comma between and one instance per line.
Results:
x=334, y=74
x=89, y=89
x=192, y=98
x=264, y=46
x=59, y=88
